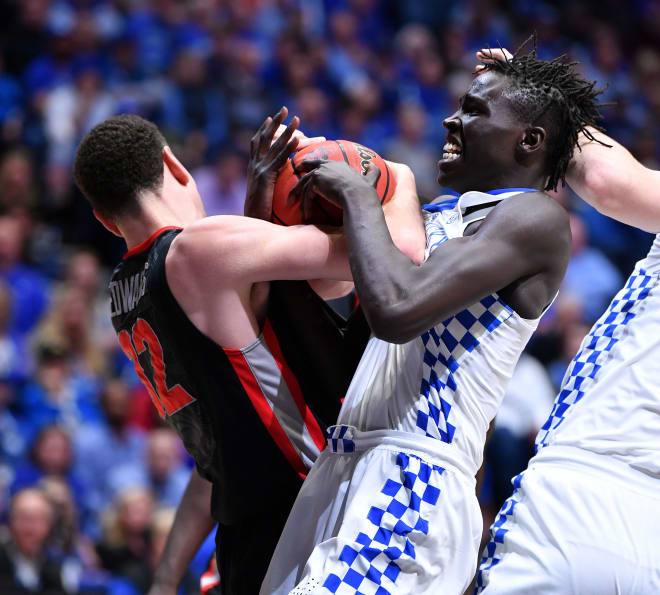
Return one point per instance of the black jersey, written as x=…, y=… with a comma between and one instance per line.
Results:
x=253, y=419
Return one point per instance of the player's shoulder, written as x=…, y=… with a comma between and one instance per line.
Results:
x=203, y=238
x=536, y=223
x=208, y=251
x=535, y=211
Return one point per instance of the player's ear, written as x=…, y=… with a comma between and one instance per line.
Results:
x=175, y=167
x=533, y=140
x=109, y=224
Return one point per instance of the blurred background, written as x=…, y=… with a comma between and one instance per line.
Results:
x=74, y=421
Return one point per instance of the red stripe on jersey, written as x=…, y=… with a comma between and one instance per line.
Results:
x=294, y=387
x=142, y=246
x=263, y=409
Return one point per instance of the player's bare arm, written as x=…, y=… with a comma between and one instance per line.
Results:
x=515, y=249
x=192, y=524
x=610, y=179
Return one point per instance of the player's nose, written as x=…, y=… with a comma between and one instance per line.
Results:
x=452, y=123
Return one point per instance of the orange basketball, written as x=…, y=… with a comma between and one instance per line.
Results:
x=323, y=212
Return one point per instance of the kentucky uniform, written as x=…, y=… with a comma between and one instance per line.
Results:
x=253, y=419
x=390, y=506
x=583, y=518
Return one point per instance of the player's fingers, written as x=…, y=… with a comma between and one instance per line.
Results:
x=310, y=164
x=254, y=141
x=282, y=141
x=307, y=198
x=280, y=159
x=266, y=137
x=490, y=54
x=296, y=192
x=372, y=174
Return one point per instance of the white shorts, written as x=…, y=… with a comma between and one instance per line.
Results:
x=577, y=524
x=381, y=512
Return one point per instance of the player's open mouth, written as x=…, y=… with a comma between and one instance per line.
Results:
x=450, y=152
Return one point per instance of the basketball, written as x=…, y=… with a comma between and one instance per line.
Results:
x=324, y=212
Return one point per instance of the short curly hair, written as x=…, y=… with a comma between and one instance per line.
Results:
x=117, y=161
x=553, y=94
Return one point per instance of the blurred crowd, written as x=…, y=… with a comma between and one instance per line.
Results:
x=89, y=478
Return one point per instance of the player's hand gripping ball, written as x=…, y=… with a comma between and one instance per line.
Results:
x=323, y=212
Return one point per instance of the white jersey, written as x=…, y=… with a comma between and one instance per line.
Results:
x=609, y=402
x=448, y=383
x=390, y=504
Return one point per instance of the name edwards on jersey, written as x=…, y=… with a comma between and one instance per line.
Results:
x=125, y=293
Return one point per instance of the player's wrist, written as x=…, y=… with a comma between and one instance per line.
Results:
x=164, y=580
x=353, y=197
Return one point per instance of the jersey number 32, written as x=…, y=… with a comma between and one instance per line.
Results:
x=167, y=400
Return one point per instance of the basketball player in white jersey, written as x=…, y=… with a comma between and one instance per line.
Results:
x=583, y=518
x=390, y=505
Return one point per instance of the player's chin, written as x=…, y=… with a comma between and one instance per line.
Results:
x=449, y=169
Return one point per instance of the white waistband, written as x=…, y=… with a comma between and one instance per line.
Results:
x=607, y=467
x=345, y=439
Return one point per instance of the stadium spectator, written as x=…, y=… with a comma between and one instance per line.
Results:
x=56, y=394
x=161, y=471
x=222, y=185
x=51, y=456
x=410, y=146
x=590, y=276
x=29, y=289
x=100, y=448
x=125, y=546
x=17, y=180
x=25, y=565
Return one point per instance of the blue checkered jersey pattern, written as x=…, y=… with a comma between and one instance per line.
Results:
x=340, y=439
x=446, y=344
x=498, y=530
x=395, y=519
x=595, y=351
x=445, y=347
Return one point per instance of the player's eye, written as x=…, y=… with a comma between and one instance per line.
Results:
x=471, y=109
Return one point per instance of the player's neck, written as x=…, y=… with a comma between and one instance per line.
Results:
x=153, y=216
x=518, y=179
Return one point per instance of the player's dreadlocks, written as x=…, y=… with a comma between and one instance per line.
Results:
x=552, y=94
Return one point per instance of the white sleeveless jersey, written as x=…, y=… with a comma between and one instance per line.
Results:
x=609, y=402
x=449, y=382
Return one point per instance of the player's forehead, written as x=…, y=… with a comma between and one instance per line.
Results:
x=487, y=87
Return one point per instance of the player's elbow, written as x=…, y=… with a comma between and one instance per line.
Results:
x=392, y=323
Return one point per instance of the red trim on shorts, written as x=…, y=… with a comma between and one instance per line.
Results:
x=294, y=387
x=263, y=409
x=208, y=580
x=142, y=246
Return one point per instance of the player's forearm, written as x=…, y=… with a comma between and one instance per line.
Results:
x=615, y=183
x=380, y=270
x=403, y=215
x=192, y=524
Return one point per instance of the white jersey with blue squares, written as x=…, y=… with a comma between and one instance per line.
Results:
x=609, y=401
x=447, y=383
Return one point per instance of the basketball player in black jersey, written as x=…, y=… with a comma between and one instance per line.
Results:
x=248, y=372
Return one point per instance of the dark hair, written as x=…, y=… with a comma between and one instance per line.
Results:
x=116, y=161
x=553, y=94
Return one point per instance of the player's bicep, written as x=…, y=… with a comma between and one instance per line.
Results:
x=240, y=250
